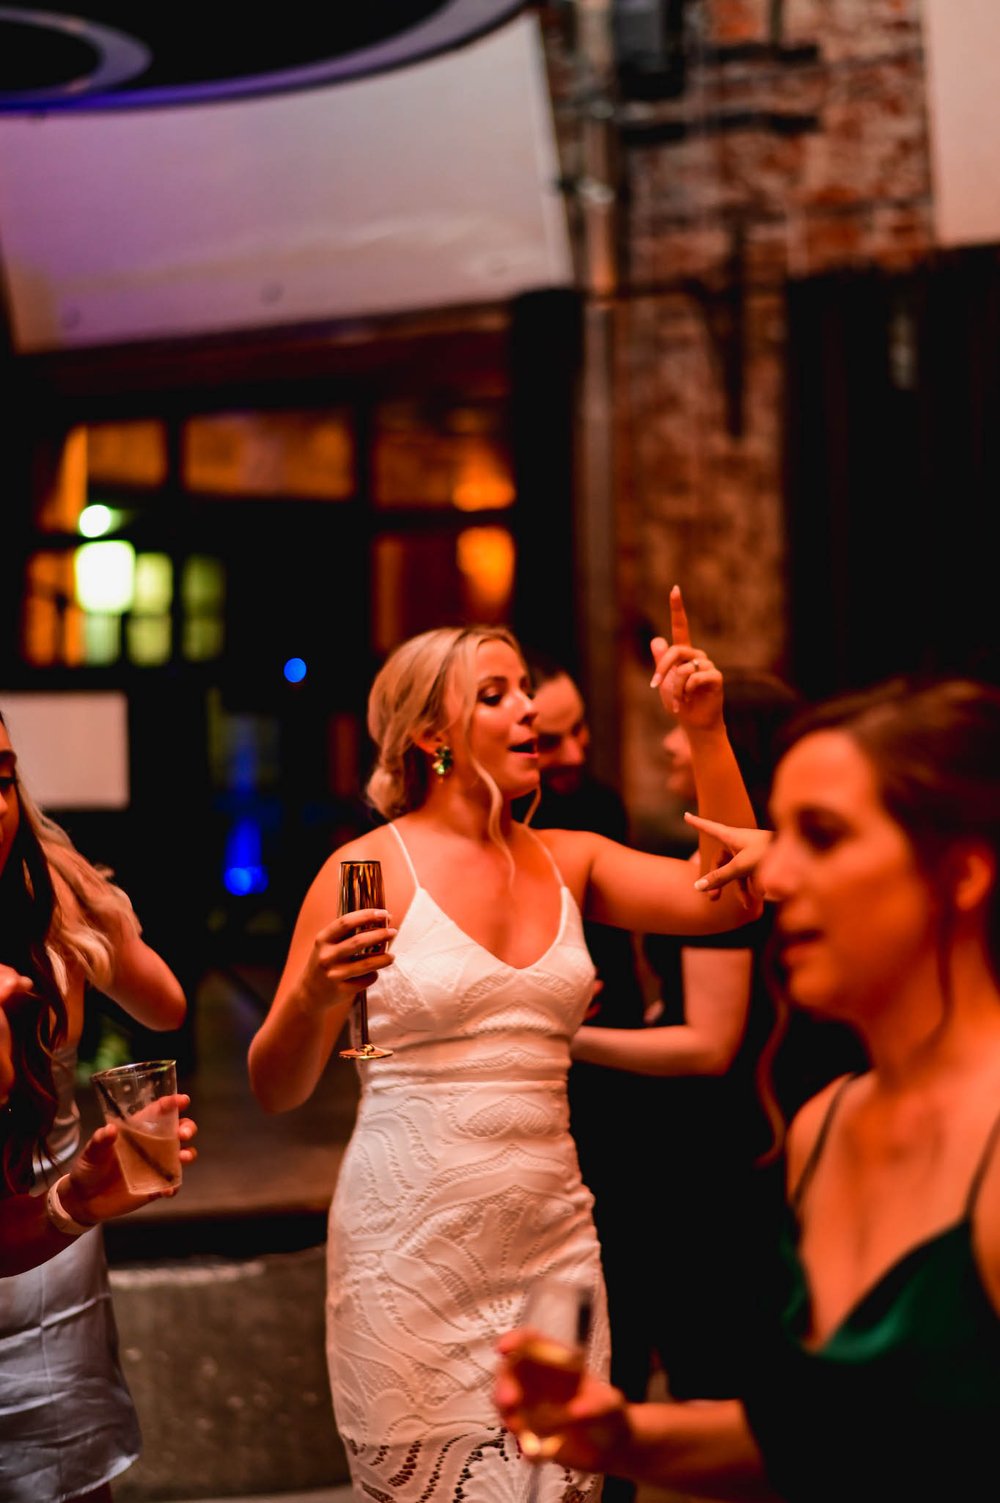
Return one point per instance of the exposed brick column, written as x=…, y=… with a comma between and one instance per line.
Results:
x=798, y=144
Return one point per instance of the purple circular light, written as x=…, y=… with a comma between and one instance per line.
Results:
x=122, y=57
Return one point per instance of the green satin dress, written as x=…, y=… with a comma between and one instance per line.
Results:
x=901, y=1403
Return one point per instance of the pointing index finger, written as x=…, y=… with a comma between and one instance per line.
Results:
x=709, y=826
x=680, y=632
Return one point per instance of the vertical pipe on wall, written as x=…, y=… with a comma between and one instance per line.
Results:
x=596, y=561
x=596, y=544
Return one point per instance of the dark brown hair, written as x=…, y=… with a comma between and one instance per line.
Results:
x=934, y=746
x=37, y=1022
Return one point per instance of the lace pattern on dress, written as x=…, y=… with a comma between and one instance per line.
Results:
x=486, y=1467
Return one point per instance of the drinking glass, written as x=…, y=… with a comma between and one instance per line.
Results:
x=361, y=887
x=139, y=1099
x=550, y=1364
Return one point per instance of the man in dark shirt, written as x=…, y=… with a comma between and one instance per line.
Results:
x=606, y=1106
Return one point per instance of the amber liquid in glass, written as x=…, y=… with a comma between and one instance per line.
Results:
x=549, y=1374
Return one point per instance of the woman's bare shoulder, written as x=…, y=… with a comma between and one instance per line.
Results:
x=379, y=844
x=574, y=845
x=806, y=1126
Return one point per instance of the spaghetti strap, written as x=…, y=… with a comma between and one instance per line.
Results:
x=805, y=1178
x=980, y=1170
x=406, y=855
x=552, y=859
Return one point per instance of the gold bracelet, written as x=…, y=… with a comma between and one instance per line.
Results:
x=60, y=1217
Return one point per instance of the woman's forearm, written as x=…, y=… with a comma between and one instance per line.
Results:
x=289, y=1052
x=38, y=1226
x=144, y=985
x=701, y=1446
x=674, y=1050
x=716, y=987
x=719, y=786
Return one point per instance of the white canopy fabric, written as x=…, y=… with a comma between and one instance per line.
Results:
x=431, y=186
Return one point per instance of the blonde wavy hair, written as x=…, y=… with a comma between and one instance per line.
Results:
x=86, y=930
x=408, y=700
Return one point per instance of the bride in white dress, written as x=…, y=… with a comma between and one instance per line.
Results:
x=460, y=1184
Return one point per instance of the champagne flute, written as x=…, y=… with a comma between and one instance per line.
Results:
x=549, y=1365
x=361, y=887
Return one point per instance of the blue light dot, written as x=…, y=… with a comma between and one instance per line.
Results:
x=295, y=670
x=241, y=880
x=243, y=871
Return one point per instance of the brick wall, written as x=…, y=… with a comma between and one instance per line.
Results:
x=828, y=166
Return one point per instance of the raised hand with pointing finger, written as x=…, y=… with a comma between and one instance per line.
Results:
x=691, y=688
x=690, y=685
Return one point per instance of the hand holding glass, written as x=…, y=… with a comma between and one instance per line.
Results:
x=361, y=887
x=550, y=1363
x=135, y=1098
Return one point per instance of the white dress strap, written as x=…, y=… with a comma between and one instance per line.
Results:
x=406, y=854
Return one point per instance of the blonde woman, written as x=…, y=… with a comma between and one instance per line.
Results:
x=460, y=1183
x=67, y=1423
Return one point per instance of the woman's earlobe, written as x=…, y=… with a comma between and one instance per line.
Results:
x=428, y=741
x=975, y=876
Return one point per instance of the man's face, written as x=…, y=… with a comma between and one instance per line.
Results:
x=562, y=734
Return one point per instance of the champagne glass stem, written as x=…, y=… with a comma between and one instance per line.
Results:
x=534, y=1482
x=362, y=1001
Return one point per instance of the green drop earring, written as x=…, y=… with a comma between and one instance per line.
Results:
x=443, y=761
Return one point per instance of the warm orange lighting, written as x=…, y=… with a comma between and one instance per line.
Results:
x=302, y=454
x=60, y=506
x=482, y=485
x=486, y=559
x=132, y=453
x=53, y=622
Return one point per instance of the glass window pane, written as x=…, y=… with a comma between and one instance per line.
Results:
x=133, y=453
x=203, y=583
x=148, y=640
x=154, y=583
x=203, y=592
x=105, y=575
x=303, y=454
x=102, y=636
x=52, y=624
x=203, y=638
x=459, y=459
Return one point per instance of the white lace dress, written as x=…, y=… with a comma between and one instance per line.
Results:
x=459, y=1185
